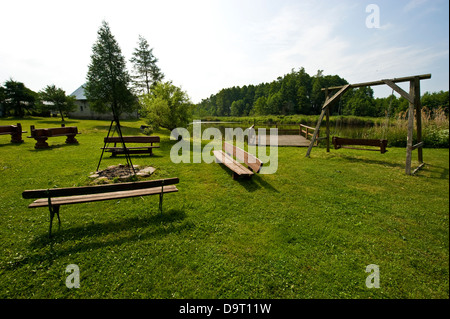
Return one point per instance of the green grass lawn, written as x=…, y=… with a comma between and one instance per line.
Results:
x=308, y=231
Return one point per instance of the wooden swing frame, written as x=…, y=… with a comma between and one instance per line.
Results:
x=413, y=97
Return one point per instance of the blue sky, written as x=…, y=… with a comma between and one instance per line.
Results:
x=206, y=45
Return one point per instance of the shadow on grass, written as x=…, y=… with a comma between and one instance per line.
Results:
x=57, y=122
x=255, y=183
x=53, y=146
x=372, y=161
x=7, y=143
x=436, y=172
x=149, y=227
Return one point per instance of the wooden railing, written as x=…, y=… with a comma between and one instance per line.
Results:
x=308, y=132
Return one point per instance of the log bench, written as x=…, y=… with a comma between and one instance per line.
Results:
x=14, y=130
x=53, y=198
x=42, y=134
x=380, y=145
x=226, y=157
x=117, y=150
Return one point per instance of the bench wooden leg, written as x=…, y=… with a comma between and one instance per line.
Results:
x=16, y=137
x=41, y=143
x=54, y=209
x=71, y=140
x=160, y=202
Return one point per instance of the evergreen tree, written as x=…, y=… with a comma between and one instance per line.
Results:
x=18, y=98
x=147, y=73
x=108, y=81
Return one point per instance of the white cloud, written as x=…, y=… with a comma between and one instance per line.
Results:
x=413, y=4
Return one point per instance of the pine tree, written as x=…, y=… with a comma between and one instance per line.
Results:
x=147, y=73
x=108, y=81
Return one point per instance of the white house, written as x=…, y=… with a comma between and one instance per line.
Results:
x=83, y=110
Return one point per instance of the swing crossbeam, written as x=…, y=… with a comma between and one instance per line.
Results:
x=380, y=145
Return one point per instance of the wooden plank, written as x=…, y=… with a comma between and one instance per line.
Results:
x=357, y=141
x=375, y=83
x=417, y=145
x=333, y=99
x=132, y=139
x=43, y=202
x=6, y=129
x=96, y=189
x=62, y=131
x=399, y=90
x=340, y=142
x=130, y=148
x=418, y=168
x=409, y=138
x=418, y=106
x=229, y=162
x=316, y=131
x=249, y=159
x=283, y=140
x=128, y=151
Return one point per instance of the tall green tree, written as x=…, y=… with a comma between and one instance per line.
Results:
x=55, y=99
x=361, y=103
x=107, y=86
x=146, y=72
x=2, y=101
x=18, y=98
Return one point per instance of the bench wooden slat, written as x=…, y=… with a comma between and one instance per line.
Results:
x=43, y=202
x=232, y=164
x=250, y=160
x=62, y=131
x=340, y=142
x=130, y=148
x=97, y=189
x=132, y=139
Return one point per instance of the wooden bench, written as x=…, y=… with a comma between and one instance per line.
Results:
x=226, y=157
x=14, y=130
x=53, y=198
x=42, y=134
x=116, y=150
x=380, y=145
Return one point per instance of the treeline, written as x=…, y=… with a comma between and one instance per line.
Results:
x=299, y=93
x=18, y=100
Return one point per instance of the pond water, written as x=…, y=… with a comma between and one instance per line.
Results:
x=284, y=129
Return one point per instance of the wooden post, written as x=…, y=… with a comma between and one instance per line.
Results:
x=328, y=123
x=328, y=102
x=16, y=135
x=418, y=117
x=409, y=140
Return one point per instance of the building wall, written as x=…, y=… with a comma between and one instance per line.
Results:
x=84, y=112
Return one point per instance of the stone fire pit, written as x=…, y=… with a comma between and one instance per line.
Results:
x=120, y=172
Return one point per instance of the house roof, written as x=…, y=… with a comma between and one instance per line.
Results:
x=79, y=93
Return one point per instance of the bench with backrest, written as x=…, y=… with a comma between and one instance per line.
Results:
x=230, y=152
x=53, y=198
x=14, y=130
x=380, y=145
x=117, y=140
x=42, y=134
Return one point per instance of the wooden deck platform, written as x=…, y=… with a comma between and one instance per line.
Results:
x=283, y=140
